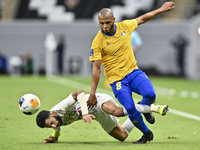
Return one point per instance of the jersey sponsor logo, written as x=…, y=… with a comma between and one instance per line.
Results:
x=123, y=33
x=92, y=52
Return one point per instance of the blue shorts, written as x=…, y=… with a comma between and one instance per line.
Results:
x=130, y=82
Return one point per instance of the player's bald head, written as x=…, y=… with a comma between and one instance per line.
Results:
x=106, y=12
x=106, y=20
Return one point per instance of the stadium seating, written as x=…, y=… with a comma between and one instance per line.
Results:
x=56, y=10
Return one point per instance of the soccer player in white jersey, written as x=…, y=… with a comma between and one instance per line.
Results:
x=74, y=108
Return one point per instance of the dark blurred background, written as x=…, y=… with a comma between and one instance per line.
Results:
x=26, y=24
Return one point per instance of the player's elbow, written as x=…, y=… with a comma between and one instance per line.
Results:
x=80, y=91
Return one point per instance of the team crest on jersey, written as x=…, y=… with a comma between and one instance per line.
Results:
x=92, y=52
x=108, y=43
x=123, y=33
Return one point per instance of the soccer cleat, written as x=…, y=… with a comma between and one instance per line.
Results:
x=162, y=109
x=146, y=137
x=149, y=117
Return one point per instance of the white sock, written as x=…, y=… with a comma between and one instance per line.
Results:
x=125, y=112
x=128, y=125
x=154, y=108
x=142, y=108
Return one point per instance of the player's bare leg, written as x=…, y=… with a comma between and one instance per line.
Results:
x=118, y=111
x=119, y=133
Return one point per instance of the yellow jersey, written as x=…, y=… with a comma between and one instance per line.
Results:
x=115, y=51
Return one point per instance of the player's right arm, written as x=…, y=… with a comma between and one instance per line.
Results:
x=53, y=138
x=96, y=71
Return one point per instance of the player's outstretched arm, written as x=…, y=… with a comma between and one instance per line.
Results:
x=51, y=139
x=148, y=16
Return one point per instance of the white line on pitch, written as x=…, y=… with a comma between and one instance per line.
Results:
x=77, y=85
x=181, y=113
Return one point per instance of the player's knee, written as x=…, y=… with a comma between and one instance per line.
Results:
x=151, y=95
x=118, y=112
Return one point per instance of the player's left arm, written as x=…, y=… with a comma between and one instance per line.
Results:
x=148, y=16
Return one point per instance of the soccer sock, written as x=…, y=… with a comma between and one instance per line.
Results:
x=128, y=125
x=134, y=115
x=142, y=108
x=154, y=108
x=125, y=112
x=137, y=120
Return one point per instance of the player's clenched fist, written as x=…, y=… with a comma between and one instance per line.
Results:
x=167, y=6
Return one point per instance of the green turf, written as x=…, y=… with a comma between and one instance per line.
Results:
x=172, y=132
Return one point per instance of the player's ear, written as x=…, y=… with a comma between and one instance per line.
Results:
x=53, y=113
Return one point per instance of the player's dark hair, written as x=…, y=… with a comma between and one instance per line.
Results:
x=41, y=117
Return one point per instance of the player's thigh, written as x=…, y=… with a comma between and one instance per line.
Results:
x=118, y=133
x=125, y=98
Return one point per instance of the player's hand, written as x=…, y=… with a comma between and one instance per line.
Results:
x=167, y=6
x=88, y=118
x=92, y=101
x=51, y=139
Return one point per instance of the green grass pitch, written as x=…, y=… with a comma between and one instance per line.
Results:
x=178, y=130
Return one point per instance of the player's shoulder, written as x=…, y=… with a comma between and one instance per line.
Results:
x=99, y=37
x=128, y=22
x=99, y=34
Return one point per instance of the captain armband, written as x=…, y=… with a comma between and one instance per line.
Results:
x=82, y=101
x=55, y=133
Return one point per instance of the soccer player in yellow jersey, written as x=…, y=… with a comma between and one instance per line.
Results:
x=112, y=48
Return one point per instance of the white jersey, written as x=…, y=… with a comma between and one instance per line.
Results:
x=70, y=110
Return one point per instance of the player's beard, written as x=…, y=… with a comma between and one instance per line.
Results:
x=58, y=119
x=112, y=27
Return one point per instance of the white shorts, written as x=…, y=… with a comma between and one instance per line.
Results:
x=108, y=122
